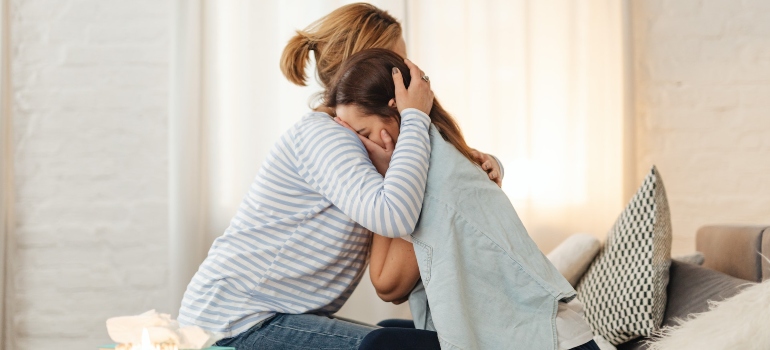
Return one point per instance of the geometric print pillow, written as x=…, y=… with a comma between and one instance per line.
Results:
x=624, y=289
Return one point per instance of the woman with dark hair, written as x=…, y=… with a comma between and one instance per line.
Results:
x=365, y=102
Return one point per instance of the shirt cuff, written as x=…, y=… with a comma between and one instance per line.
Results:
x=414, y=113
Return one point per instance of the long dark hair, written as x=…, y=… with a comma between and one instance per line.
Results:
x=365, y=80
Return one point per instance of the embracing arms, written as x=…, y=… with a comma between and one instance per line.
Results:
x=393, y=267
x=334, y=162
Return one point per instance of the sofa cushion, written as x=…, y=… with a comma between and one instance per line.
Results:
x=690, y=289
x=624, y=289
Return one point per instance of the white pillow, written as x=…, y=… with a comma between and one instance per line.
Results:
x=573, y=256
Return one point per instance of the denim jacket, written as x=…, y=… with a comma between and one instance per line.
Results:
x=485, y=284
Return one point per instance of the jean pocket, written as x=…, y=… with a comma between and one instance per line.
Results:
x=424, y=254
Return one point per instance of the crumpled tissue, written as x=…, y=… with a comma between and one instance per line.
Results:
x=161, y=329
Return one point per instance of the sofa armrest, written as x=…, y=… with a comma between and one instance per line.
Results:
x=736, y=250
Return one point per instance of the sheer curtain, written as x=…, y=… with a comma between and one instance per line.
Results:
x=540, y=84
x=6, y=180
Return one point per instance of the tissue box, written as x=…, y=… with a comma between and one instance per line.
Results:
x=112, y=346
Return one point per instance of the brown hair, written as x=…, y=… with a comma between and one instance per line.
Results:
x=336, y=36
x=365, y=80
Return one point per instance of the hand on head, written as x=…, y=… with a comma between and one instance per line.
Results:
x=418, y=95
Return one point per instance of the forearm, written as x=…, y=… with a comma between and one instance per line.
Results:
x=392, y=267
x=333, y=161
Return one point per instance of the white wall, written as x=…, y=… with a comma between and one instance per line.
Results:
x=90, y=107
x=703, y=109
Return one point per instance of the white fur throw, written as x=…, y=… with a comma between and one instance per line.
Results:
x=740, y=322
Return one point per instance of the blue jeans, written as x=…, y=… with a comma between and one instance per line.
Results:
x=400, y=334
x=306, y=331
x=407, y=324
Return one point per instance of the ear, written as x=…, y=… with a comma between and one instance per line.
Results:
x=392, y=103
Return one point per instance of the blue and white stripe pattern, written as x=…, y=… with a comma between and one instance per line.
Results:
x=299, y=241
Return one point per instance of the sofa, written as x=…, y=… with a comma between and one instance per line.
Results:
x=732, y=260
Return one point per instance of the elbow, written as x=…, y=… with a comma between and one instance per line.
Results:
x=388, y=298
x=385, y=289
x=389, y=291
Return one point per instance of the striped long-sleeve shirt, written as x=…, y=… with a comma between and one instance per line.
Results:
x=299, y=241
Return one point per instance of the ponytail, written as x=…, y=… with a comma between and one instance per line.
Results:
x=295, y=57
x=334, y=37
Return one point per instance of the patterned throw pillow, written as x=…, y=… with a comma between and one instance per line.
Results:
x=624, y=289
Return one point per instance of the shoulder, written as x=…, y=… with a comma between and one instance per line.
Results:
x=318, y=128
x=313, y=122
x=315, y=118
x=317, y=115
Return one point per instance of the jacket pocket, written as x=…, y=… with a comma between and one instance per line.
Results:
x=424, y=254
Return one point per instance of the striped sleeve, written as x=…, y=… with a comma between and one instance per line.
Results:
x=334, y=162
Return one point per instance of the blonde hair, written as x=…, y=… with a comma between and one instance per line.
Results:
x=333, y=38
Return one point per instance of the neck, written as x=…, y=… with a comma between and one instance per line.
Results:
x=326, y=110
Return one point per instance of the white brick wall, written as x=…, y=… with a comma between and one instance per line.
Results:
x=90, y=112
x=703, y=109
